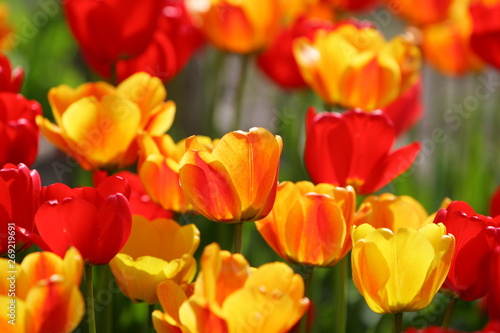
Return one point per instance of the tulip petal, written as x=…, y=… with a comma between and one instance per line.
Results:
x=163, y=117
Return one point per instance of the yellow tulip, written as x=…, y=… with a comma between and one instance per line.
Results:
x=240, y=26
x=310, y=224
x=400, y=271
x=237, y=181
x=97, y=124
x=338, y=63
x=159, y=169
x=229, y=296
x=46, y=295
x=156, y=250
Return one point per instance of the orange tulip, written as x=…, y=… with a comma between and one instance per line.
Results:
x=97, y=124
x=238, y=26
x=167, y=254
x=420, y=12
x=310, y=224
x=237, y=181
x=44, y=291
x=6, y=38
x=338, y=62
x=446, y=45
x=229, y=296
x=159, y=169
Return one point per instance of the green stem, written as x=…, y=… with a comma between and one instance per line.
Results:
x=90, y=299
x=245, y=62
x=340, y=292
x=449, y=312
x=149, y=327
x=218, y=65
x=238, y=235
x=307, y=275
x=398, y=322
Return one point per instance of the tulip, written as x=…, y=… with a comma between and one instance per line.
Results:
x=5, y=28
x=468, y=276
x=310, y=224
x=96, y=221
x=452, y=38
x=159, y=169
x=237, y=181
x=353, y=148
x=19, y=201
x=392, y=212
x=139, y=201
x=236, y=26
x=98, y=124
x=231, y=297
x=404, y=282
x=494, y=290
x=429, y=11
x=47, y=295
x=353, y=5
x=278, y=62
x=337, y=64
x=10, y=79
x=18, y=129
x=484, y=39
x=495, y=203
x=167, y=254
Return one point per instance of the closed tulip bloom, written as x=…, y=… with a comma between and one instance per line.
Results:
x=354, y=148
x=310, y=224
x=96, y=221
x=392, y=212
x=429, y=11
x=237, y=181
x=337, y=64
x=159, y=169
x=468, y=277
x=10, y=79
x=47, y=294
x=167, y=254
x=18, y=128
x=400, y=271
x=236, y=26
x=97, y=124
x=484, y=39
x=231, y=297
x=19, y=201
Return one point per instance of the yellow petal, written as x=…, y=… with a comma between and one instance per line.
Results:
x=161, y=119
x=14, y=315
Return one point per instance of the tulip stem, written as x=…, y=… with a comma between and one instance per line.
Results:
x=90, y=299
x=217, y=65
x=245, y=65
x=449, y=312
x=238, y=235
x=340, y=293
x=398, y=322
x=149, y=328
x=307, y=275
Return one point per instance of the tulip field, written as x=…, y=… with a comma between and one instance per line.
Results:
x=250, y=166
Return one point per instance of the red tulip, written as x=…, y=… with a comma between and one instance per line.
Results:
x=10, y=80
x=495, y=203
x=278, y=61
x=494, y=290
x=129, y=36
x=469, y=273
x=485, y=37
x=353, y=5
x=96, y=221
x=140, y=202
x=354, y=148
x=407, y=109
x=19, y=200
x=18, y=129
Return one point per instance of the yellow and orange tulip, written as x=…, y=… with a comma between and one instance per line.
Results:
x=310, y=224
x=6, y=37
x=97, y=124
x=159, y=169
x=421, y=12
x=237, y=181
x=338, y=63
x=400, y=271
x=46, y=295
x=229, y=296
x=240, y=26
x=167, y=253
